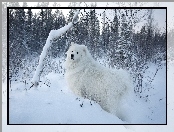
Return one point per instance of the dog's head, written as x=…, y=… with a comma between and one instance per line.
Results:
x=76, y=52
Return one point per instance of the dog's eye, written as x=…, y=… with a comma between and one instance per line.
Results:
x=77, y=52
x=72, y=51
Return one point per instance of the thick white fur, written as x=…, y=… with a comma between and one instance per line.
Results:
x=87, y=78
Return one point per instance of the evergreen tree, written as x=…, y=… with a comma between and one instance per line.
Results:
x=114, y=41
x=17, y=46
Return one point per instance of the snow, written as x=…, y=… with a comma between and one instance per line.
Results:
x=54, y=103
x=75, y=17
x=54, y=34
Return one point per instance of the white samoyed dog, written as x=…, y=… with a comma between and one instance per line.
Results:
x=89, y=79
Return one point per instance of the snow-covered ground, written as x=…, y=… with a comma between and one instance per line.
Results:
x=54, y=103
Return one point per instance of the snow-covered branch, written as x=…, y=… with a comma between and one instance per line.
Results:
x=54, y=34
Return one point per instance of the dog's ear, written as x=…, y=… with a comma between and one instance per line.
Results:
x=85, y=49
x=72, y=43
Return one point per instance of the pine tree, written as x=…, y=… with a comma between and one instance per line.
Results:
x=114, y=41
x=17, y=33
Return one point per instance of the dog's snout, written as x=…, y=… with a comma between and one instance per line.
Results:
x=72, y=56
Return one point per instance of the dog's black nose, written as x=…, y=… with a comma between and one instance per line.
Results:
x=72, y=56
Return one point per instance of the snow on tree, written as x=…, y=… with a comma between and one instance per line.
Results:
x=115, y=40
x=54, y=34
